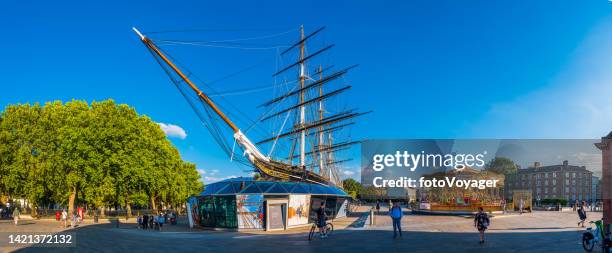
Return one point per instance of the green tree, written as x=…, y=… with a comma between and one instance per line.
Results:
x=502, y=165
x=98, y=154
x=352, y=187
x=26, y=167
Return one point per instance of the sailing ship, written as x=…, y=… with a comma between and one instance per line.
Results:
x=312, y=134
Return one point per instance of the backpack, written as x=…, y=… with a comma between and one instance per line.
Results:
x=483, y=220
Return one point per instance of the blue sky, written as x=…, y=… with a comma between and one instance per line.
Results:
x=443, y=69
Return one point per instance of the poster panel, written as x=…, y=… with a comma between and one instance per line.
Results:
x=193, y=214
x=250, y=211
x=298, y=209
x=342, y=208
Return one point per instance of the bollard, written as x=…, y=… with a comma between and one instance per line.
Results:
x=372, y=217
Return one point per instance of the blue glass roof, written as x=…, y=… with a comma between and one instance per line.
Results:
x=245, y=185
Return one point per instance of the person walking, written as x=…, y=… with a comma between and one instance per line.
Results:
x=80, y=215
x=156, y=222
x=396, y=214
x=73, y=220
x=64, y=217
x=582, y=214
x=322, y=220
x=377, y=207
x=481, y=222
x=145, y=222
x=16, y=214
x=521, y=205
x=161, y=220
x=575, y=207
x=139, y=221
x=151, y=221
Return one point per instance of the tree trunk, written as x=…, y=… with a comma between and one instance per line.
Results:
x=101, y=210
x=4, y=197
x=128, y=208
x=71, y=201
x=153, y=207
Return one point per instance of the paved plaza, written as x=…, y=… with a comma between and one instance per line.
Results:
x=535, y=232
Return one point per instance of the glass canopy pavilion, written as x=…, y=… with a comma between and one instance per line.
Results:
x=245, y=204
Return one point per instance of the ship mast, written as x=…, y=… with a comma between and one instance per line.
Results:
x=302, y=107
x=321, y=142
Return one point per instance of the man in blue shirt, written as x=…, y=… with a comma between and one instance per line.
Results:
x=396, y=215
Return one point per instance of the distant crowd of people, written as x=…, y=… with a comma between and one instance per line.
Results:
x=156, y=222
x=7, y=212
x=75, y=219
x=588, y=205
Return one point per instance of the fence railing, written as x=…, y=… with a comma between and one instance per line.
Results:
x=50, y=213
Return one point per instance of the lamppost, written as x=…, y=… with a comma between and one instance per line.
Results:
x=606, y=151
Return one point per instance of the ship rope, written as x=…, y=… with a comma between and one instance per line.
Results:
x=213, y=123
x=225, y=43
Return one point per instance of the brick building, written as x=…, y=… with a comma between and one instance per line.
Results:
x=564, y=181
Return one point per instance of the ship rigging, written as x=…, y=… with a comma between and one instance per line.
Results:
x=313, y=148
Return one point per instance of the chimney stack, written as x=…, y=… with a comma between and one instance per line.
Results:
x=565, y=163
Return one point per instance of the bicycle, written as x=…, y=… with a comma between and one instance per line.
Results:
x=591, y=237
x=329, y=227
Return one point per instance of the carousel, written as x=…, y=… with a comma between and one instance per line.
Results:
x=455, y=200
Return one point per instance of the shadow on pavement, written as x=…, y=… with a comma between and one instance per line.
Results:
x=107, y=238
x=492, y=229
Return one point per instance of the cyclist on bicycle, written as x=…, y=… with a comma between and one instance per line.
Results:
x=322, y=220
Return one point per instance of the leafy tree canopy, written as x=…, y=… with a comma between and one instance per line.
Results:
x=502, y=165
x=99, y=154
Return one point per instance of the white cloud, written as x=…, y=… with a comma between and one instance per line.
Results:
x=210, y=176
x=209, y=179
x=173, y=130
x=348, y=173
